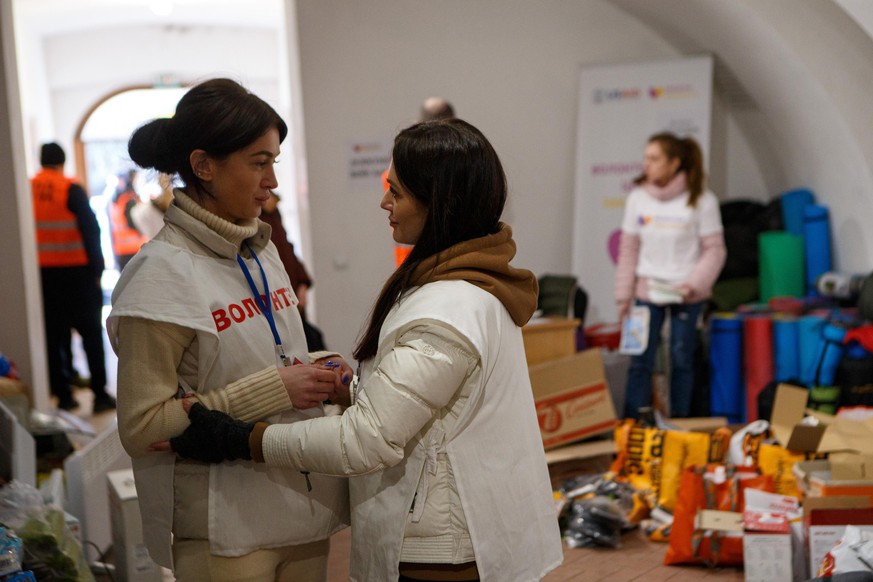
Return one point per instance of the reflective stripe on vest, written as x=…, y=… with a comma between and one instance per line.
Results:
x=58, y=238
x=125, y=240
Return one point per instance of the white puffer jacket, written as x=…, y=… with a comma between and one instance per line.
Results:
x=442, y=444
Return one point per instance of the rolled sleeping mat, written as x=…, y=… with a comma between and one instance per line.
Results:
x=757, y=360
x=787, y=305
x=829, y=354
x=817, y=240
x=808, y=337
x=786, y=348
x=792, y=203
x=726, y=367
x=781, y=257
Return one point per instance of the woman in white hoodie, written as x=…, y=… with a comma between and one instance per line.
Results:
x=671, y=252
x=448, y=474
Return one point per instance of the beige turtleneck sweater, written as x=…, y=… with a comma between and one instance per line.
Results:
x=149, y=353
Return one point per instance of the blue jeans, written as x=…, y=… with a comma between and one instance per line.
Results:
x=683, y=340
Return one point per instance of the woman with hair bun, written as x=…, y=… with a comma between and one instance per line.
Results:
x=671, y=253
x=205, y=311
x=448, y=474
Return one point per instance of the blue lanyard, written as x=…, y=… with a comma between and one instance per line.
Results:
x=264, y=301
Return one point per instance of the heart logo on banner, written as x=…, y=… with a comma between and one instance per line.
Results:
x=612, y=245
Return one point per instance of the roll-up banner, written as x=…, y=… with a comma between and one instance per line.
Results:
x=620, y=106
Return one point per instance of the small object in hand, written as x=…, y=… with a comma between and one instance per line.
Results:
x=213, y=437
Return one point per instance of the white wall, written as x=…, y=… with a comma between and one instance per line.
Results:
x=80, y=71
x=511, y=68
x=22, y=339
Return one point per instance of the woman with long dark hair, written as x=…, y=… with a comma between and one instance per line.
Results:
x=449, y=479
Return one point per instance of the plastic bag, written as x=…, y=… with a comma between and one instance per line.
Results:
x=594, y=522
x=852, y=553
x=593, y=511
x=49, y=548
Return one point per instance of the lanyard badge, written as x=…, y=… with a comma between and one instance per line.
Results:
x=264, y=303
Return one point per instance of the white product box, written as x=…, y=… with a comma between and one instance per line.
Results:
x=132, y=560
x=767, y=557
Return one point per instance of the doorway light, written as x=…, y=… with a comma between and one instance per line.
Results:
x=161, y=7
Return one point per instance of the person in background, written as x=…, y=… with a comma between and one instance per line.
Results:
x=301, y=282
x=450, y=478
x=149, y=218
x=434, y=108
x=126, y=238
x=71, y=264
x=206, y=309
x=670, y=255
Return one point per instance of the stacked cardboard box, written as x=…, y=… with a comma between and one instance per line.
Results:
x=836, y=491
x=570, y=389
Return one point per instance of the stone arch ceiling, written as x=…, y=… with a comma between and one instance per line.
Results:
x=796, y=76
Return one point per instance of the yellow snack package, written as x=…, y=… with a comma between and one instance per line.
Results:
x=682, y=450
x=639, y=457
x=777, y=462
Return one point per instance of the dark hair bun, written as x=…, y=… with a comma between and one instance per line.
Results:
x=150, y=146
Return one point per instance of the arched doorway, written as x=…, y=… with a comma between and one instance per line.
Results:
x=102, y=161
x=101, y=151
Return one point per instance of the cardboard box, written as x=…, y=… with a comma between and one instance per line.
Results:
x=832, y=477
x=132, y=560
x=770, y=551
x=789, y=408
x=713, y=519
x=831, y=434
x=549, y=338
x=572, y=398
x=767, y=557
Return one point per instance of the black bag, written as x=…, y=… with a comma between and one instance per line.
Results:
x=743, y=221
x=865, y=299
x=855, y=379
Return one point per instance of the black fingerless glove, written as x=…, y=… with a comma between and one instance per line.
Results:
x=213, y=437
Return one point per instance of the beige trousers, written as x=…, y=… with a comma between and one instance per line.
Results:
x=303, y=563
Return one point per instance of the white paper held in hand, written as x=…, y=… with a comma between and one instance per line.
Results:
x=661, y=293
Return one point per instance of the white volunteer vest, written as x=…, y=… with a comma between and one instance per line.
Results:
x=211, y=295
x=495, y=450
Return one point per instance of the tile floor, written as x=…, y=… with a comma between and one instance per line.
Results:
x=637, y=559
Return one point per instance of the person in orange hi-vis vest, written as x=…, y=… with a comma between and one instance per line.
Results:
x=126, y=239
x=432, y=108
x=71, y=263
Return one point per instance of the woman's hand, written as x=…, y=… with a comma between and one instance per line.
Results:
x=307, y=386
x=687, y=292
x=343, y=372
x=623, y=307
x=212, y=437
